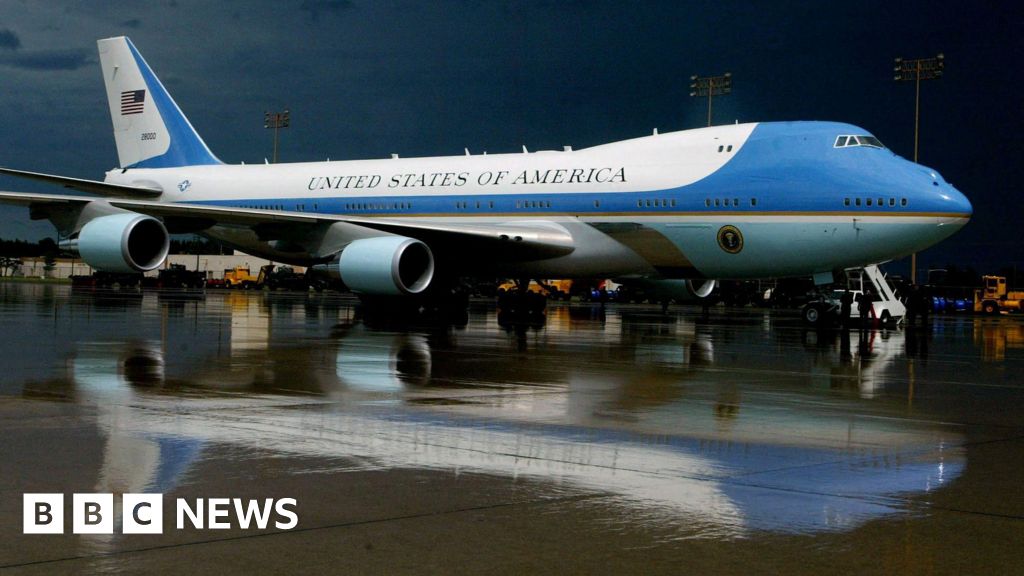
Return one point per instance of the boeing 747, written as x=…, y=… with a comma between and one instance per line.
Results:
x=737, y=201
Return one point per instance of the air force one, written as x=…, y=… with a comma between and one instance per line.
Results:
x=737, y=201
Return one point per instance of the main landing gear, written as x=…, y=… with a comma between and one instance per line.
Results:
x=521, y=302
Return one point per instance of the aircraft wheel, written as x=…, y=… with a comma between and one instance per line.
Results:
x=814, y=315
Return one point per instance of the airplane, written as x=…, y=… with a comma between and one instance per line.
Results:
x=755, y=200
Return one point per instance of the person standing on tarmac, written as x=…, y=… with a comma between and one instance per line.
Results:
x=845, y=307
x=864, y=308
x=912, y=304
x=924, y=305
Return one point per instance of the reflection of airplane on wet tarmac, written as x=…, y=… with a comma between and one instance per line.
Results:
x=736, y=201
x=652, y=436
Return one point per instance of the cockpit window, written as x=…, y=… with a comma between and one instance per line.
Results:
x=869, y=141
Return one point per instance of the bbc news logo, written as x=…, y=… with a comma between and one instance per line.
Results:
x=144, y=513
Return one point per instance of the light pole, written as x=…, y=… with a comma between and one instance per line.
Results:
x=276, y=120
x=915, y=70
x=710, y=86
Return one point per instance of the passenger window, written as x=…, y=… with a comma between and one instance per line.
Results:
x=753, y=201
x=729, y=149
x=846, y=201
x=903, y=201
x=869, y=202
x=892, y=201
x=856, y=201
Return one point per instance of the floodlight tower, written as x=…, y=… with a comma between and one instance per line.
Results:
x=276, y=120
x=710, y=86
x=914, y=71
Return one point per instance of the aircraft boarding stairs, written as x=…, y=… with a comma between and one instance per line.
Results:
x=886, y=307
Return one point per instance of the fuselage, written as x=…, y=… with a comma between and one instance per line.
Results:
x=737, y=201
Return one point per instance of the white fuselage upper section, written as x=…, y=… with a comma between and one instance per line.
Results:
x=650, y=163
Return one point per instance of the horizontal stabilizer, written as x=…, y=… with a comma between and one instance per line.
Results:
x=92, y=186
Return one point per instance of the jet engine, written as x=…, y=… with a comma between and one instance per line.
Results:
x=702, y=291
x=126, y=242
x=664, y=290
x=385, y=266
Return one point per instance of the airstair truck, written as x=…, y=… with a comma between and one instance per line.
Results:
x=886, y=308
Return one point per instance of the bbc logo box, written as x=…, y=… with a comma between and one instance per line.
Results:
x=92, y=514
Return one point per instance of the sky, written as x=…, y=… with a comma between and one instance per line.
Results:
x=365, y=79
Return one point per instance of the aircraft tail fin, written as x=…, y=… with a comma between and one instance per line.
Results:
x=149, y=128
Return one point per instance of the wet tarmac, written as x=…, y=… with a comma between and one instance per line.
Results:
x=620, y=441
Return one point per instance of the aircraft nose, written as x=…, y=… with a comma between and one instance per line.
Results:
x=949, y=199
x=960, y=203
x=954, y=200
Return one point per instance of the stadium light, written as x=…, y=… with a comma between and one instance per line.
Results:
x=914, y=70
x=276, y=120
x=710, y=86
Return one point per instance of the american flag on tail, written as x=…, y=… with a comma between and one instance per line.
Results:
x=132, y=102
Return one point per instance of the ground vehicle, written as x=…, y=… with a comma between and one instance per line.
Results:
x=239, y=277
x=994, y=298
x=885, y=307
x=283, y=278
x=177, y=276
x=554, y=289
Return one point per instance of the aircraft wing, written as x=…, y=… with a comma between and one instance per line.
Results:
x=525, y=240
x=29, y=199
x=93, y=186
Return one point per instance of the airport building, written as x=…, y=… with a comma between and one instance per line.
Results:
x=213, y=265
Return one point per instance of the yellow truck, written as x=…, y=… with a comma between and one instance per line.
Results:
x=554, y=289
x=994, y=298
x=239, y=277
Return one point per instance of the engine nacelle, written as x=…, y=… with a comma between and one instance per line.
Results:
x=702, y=291
x=664, y=290
x=386, y=266
x=128, y=242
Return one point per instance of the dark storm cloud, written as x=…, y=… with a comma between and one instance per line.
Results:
x=316, y=7
x=429, y=78
x=9, y=40
x=48, y=60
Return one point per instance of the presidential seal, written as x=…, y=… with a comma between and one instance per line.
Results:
x=730, y=239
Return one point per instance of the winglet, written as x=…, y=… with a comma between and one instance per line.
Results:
x=149, y=128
